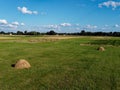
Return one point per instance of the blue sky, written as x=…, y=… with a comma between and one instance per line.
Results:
x=60, y=15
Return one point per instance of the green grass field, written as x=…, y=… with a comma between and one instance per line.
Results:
x=60, y=63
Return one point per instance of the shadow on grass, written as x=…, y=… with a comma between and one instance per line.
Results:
x=12, y=65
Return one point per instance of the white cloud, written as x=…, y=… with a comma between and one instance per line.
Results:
x=22, y=24
x=4, y=25
x=3, y=21
x=116, y=25
x=91, y=27
x=52, y=26
x=15, y=23
x=65, y=24
x=25, y=10
x=77, y=28
x=57, y=26
x=11, y=26
x=110, y=3
x=77, y=24
x=35, y=12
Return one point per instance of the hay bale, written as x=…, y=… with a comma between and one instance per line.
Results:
x=21, y=64
x=101, y=49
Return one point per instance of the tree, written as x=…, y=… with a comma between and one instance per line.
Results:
x=51, y=33
x=19, y=33
x=33, y=33
x=83, y=32
x=2, y=32
x=25, y=32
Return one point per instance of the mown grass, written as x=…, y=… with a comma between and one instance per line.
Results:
x=60, y=65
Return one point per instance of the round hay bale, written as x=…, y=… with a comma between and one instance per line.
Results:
x=101, y=49
x=21, y=64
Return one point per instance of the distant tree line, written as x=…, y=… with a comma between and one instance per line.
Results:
x=52, y=32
